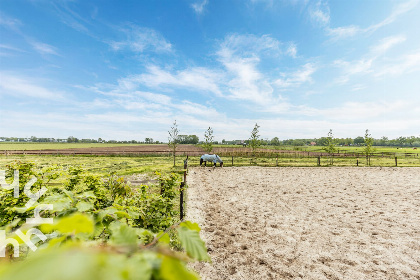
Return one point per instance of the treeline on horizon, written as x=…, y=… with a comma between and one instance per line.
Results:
x=401, y=141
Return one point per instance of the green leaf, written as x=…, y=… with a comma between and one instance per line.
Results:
x=174, y=269
x=122, y=214
x=88, y=194
x=76, y=223
x=123, y=234
x=103, y=213
x=69, y=194
x=62, y=204
x=191, y=226
x=84, y=206
x=164, y=238
x=192, y=243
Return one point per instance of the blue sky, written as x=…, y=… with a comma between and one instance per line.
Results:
x=127, y=69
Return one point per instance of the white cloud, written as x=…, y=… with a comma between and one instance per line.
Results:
x=320, y=13
x=355, y=111
x=10, y=48
x=70, y=17
x=403, y=64
x=297, y=78
x=141, y=39
x=352, y=30
x=43, y=48
x=249, y=46
x=196, y=78
x=22, y=87
x=197, y=110
x=9, y=21
x=367, y=63
x=199, y=6
x=343, y=32
x=292, y=50
x=399, y=10
x=387, y=43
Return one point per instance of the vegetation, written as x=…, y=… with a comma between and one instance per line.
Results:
x=101, y=227
x=254, y=140
x=188, y=139
x=368, y=140
x=173, y=140
x=330, y=146
x=208, y=138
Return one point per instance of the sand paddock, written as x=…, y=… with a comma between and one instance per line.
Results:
x=307, y=223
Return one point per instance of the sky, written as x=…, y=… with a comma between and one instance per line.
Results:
x=126, y=70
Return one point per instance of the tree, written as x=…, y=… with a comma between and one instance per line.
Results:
x=410, y=140
x=254, y=140
x=148, y=140
x=208, y=138
x=368, y=150
x=275, y=141
x=358, y=140
x=173, y=139
x=330, y=146
x=402, y=140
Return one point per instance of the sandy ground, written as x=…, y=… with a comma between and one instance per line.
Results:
x=307, y=223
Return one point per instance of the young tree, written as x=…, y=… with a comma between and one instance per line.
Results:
x=208, y=137
x=368, y=150
x=173, y=138
x=254, y=140
x=330, y=146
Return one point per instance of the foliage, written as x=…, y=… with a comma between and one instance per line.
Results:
x=173, y=140
x=11, y=207
x=103, y=230
x=330, y=146
x=254, y=140
x=275, y=141
x=188, y=139
x=209, y=138
x=368, y=149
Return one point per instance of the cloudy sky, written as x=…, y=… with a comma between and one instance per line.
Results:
x=127, y=69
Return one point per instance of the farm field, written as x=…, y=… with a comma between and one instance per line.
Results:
x=307, y=223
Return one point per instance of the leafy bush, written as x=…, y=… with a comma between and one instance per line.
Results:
x=102, y=229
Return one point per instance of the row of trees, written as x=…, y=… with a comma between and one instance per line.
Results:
x=401, y=141
x=410, y=141
x=330, y=146
x=174, y=139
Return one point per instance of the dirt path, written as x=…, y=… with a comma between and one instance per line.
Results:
x=308, y=223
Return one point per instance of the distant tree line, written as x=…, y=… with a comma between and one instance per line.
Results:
x=401, y=141
x=411, y=141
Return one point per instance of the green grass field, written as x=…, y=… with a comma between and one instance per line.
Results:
x=127, y=165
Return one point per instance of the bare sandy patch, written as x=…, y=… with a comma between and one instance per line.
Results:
x=307, y=223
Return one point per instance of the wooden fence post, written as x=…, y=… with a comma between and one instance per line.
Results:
x=232, y=160
x=357, y=163
x=181, y=201
x=277, y=161
x=396, y=162
x=319, y=161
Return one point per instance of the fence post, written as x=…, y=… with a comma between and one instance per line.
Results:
x=232, y=160
x=319, y=161
x=277, y=161
x=181, y=201
x=357, y=163
x=396, y=162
